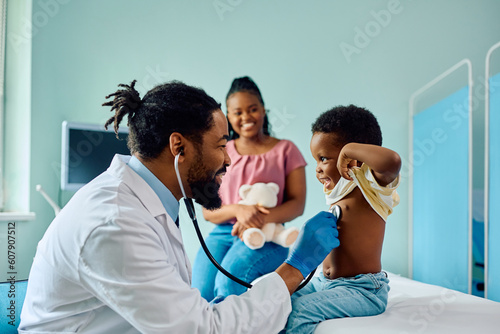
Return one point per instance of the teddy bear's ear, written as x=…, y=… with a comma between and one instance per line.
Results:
x=274, y=187
x=244, y=189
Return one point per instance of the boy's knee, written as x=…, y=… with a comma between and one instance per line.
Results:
x=300, y=322
x=379, y=308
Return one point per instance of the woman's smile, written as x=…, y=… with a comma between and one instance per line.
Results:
x=247, y=126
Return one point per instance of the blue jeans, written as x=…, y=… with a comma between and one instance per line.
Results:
x=322, y=299
x=237, y=259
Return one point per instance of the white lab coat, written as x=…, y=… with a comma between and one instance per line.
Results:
x=113, y=261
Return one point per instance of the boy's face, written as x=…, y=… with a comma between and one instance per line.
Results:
x=325, y=151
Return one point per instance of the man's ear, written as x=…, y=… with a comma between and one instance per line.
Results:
x=177, y=142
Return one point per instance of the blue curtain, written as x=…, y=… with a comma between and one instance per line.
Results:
x=494, y=191
x=441, y=194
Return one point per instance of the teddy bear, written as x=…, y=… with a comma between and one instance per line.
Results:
x=265, y=195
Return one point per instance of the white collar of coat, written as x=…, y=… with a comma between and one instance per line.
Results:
x=136, y=184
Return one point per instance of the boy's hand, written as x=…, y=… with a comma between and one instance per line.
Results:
x=384, y=163
x=344, y=163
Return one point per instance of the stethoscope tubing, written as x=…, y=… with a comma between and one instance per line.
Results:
x=190, y=208
x=189, y=203
x=192, y=215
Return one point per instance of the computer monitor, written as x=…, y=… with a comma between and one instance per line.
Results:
x=87, y=151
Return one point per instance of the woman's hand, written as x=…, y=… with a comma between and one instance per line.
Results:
x=249, y=216
x=238, y=230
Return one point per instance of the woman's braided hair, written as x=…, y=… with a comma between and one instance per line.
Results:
x=167, y=108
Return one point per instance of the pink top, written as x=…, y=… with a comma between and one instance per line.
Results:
x=272, y=166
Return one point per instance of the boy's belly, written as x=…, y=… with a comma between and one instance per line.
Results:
x=361, y=235
x=339, y=264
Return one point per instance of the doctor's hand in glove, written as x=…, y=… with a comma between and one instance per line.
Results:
x=317, y=238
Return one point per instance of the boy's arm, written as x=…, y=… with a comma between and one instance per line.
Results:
x=384, y=163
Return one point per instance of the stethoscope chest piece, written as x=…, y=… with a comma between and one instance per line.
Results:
x=336, y=211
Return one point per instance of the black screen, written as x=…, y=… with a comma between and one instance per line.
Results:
x=91, y=152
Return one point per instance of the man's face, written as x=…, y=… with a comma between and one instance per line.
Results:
x=208, y=167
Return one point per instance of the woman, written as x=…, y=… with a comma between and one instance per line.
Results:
x=256, y=156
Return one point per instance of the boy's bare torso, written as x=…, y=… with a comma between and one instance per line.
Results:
x=361, y=235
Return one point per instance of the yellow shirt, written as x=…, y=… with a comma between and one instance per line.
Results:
x=381, y=199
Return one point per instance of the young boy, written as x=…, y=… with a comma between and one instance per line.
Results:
x=361, y=177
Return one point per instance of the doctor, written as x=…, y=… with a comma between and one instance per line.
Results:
x=113, y=260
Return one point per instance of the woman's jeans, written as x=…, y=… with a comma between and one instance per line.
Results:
x=322, y=299
x=237, y=259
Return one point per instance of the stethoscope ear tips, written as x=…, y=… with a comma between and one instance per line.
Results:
x=336, y=211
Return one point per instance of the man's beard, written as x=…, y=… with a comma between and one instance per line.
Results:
x=203, y=184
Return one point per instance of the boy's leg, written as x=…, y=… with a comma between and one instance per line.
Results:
x=313, y=286
x=218, y=242
x=248, y=264
x=363, y=295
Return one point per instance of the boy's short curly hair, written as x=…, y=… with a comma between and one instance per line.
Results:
x=351, y=124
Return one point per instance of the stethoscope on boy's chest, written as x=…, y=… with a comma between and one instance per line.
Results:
x=335, y=210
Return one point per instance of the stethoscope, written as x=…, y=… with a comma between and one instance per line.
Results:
x=335, y=210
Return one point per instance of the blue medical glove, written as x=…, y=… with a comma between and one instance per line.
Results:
x=317, y=237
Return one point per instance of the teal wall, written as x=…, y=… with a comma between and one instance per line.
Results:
x=17, y=138
x=17, y=110
x=81, y=50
